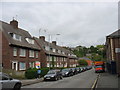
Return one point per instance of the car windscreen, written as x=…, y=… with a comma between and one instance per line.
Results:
x=98, y=66
x=51, y=72
x=65, y=70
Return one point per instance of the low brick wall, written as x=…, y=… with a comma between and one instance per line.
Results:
x=15, y=74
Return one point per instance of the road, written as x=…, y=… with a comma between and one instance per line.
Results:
x=81, y=80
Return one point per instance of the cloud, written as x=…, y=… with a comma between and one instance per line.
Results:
x=82, y=23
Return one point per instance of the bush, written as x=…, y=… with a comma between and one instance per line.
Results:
x=44, y=71
x=31, y=73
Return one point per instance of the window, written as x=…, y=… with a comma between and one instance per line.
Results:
x=22, y=66
x=48, y=64
x=47, y=48
x=31, y=64
x=59, y=51
x=14, y=51
x=17, y=37
x=53, y=50
x=31, y=41
x=22, y=52
x=37, y=54
x=31, y=53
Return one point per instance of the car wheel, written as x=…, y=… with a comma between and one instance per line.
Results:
x=56, y=78
x=61, y=77
x=17, y=87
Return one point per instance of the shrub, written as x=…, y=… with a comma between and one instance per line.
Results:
x=44, y=71
x=82, y=62
x=31, y=73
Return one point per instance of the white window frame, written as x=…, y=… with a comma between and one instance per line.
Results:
x=31, y=53
x=30, y=41
x=22, y=52
x=54, y=50
x=14, y=51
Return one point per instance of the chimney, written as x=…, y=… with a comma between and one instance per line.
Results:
x=54, y=42
x=14, y=23
x=42, y=38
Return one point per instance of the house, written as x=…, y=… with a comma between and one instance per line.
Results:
x=55, y=56
x=113, y=52
x=19, y=50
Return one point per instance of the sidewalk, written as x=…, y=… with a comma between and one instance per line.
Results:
x=107, y=80
x=31, y=81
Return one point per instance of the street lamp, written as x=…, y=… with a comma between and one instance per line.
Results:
x=49, y=35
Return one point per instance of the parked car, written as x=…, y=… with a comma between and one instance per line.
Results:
x=8, y=82
x=53, y=75
x=74, y=71
x=67, y=72
x=81, y=69
x=78, y=69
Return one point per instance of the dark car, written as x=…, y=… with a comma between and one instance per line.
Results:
x=78, y=69
x=53, y=75
x=8, y=83
x=74, y=71
x=67, y=72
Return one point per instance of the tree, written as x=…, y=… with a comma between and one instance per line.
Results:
x=82, y=62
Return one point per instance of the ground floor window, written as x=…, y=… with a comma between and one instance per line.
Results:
x=31, y=64
x=22, y=65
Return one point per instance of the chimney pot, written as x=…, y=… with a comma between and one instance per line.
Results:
x=54, y=42
x=42, y=38
x=14, y=23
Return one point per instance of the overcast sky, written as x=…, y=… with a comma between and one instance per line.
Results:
x=78, y=23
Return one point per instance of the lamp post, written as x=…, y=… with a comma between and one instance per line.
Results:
x=49, y=35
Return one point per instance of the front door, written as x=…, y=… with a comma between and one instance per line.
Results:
x=15, y=65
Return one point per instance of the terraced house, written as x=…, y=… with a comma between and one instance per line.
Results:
x=19, y=50
x=53, y=55
x=113, y=52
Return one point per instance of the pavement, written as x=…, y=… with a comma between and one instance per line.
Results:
x=107, y=80
x=31, y=81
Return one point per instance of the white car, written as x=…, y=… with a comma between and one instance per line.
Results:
x=9, y=83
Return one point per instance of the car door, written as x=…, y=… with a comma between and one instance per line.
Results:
x=6, y=82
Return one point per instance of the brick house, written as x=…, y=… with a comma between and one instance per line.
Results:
x=19, y=50
x=113, y=52
x=53, y=55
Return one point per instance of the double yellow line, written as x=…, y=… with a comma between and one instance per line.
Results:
x=95, y=82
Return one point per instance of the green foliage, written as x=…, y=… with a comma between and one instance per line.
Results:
x=44, y=71
x=97, y=53
x=82, y=62
x=31, y=73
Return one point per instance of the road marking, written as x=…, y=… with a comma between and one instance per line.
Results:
x=95, y=82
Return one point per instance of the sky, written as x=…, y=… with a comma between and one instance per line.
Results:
x=78, y=22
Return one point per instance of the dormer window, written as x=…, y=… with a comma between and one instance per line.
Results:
x=54, y=50
x=47, y=48
x=59, y=51
x=30, y=41
x=16, y=37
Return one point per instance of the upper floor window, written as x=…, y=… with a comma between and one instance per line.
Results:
x=17, y=37
x=59, y=51
x=22, y=52
x=31, y=41
x=14, y=51
x=47, y=48
x=53, y=50
x=31, y=53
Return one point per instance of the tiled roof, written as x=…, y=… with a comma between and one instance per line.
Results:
x=43, y=43
x=7, y=28
x=115, y=34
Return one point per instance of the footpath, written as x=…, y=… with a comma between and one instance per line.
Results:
x=109, y=81
x=31, y=81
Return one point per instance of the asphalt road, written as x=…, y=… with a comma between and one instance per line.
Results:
x=81, y=80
